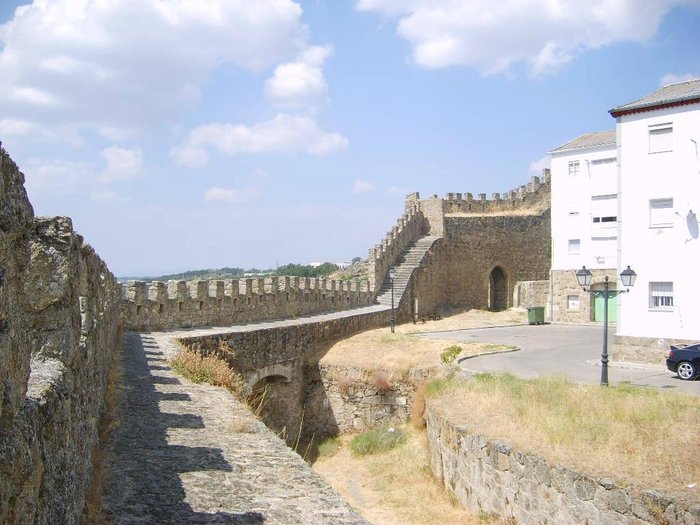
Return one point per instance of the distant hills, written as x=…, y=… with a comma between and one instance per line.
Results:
x=295, y=270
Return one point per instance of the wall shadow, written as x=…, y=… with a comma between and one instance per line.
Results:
x=142, y=471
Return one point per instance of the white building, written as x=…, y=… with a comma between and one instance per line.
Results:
x=584, y=223
x=658, y=140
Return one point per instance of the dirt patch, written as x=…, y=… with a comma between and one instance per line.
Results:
x=394, y=487
x=380, y=349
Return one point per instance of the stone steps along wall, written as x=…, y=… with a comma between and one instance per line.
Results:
x=59, y=317
x=184, y=304
x=409, y=226
x=407, y=264
x=491, y=477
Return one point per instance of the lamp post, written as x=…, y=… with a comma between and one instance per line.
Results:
x=584, y=277
x=392, y=274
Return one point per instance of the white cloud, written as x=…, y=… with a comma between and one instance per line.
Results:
x=363, y=186
x=301, y=83
x=671, y=78
x=59, y=177
x=494, y=36
x=231, y=195
x=537, y=166
x=284, y=134
x=122, y=66
x=121, y=164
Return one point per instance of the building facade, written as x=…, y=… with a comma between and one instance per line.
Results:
x=658, y=140
x=584, y=224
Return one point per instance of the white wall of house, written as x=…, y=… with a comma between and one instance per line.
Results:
x=584, y=208
x=659, y=177
x=584, y=225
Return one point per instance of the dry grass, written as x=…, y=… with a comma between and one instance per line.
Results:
x=381, y=350
x=207, y=369
x=395, y=487
x=631, y=434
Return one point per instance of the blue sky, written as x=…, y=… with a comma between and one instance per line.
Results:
x=185, y=134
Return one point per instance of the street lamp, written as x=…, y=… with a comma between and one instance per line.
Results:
x=392, y=274
x=584, y=277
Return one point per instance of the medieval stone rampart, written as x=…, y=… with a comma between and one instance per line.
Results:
x=409, y=226
x=184, y=304
x=59, y=314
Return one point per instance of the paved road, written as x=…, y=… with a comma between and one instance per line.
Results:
x=560, y=349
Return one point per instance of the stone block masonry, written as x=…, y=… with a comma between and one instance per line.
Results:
x=492, y=477
x=183, y=304
x=59, y=316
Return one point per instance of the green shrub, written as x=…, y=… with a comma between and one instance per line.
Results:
x=376, y=440
x=450, y=353
x=328, y=447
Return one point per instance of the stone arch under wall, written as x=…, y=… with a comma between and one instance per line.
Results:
x=498, y=288
x=272, y=393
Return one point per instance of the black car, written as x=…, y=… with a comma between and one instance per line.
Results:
x=684, y=360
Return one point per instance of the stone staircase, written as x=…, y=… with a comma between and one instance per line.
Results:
x=410, y=260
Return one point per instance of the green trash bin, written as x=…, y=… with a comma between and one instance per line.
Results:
x=535, y=315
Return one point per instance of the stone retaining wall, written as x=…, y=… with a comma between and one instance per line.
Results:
x=59, y=315
x=492, y=477
x=360, y=399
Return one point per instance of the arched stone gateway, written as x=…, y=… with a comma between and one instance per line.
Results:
x=498, y=290
x=274, y=398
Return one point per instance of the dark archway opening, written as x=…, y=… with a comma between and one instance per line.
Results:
x=498, y=290
x=273, y=398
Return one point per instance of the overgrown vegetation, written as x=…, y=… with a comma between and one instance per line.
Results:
x=627, y=432
x=450, y=353
x=207, y=369
x=377, y=440
x=328, y=447
x=306, y=270
x=395, y=487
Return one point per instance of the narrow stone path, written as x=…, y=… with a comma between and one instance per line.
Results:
x=187, y=453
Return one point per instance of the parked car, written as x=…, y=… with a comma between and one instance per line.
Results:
x=684, y=360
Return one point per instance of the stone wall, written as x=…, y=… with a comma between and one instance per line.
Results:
x=284, y=359
x=409, y=226
x=565, y=286
x=344, y=399
x=527, y=294
x=493, y=478
x=184, y=304
x=59, y=315
x=476, y=245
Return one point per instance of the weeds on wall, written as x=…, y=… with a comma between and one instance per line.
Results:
x=207, y=369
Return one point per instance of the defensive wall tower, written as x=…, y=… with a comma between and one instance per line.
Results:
x=482, y=253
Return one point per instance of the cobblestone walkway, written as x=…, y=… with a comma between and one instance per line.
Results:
x=186, y=453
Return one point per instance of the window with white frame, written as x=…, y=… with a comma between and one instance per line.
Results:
x=661, y=213
x=660, y=296
x=573, y=302
x=574, y=167
x=661, y=138
x=574, y=246
x=604, y=208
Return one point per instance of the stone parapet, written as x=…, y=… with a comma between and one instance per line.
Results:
x=409, y=227
x=184, y=304
x=59, y=316
x=494, y=478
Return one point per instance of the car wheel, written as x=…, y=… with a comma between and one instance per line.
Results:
x=685, y=370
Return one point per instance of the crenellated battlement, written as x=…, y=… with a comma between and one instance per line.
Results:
x=175, y=304
x=533, y=196
x=407, y=228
